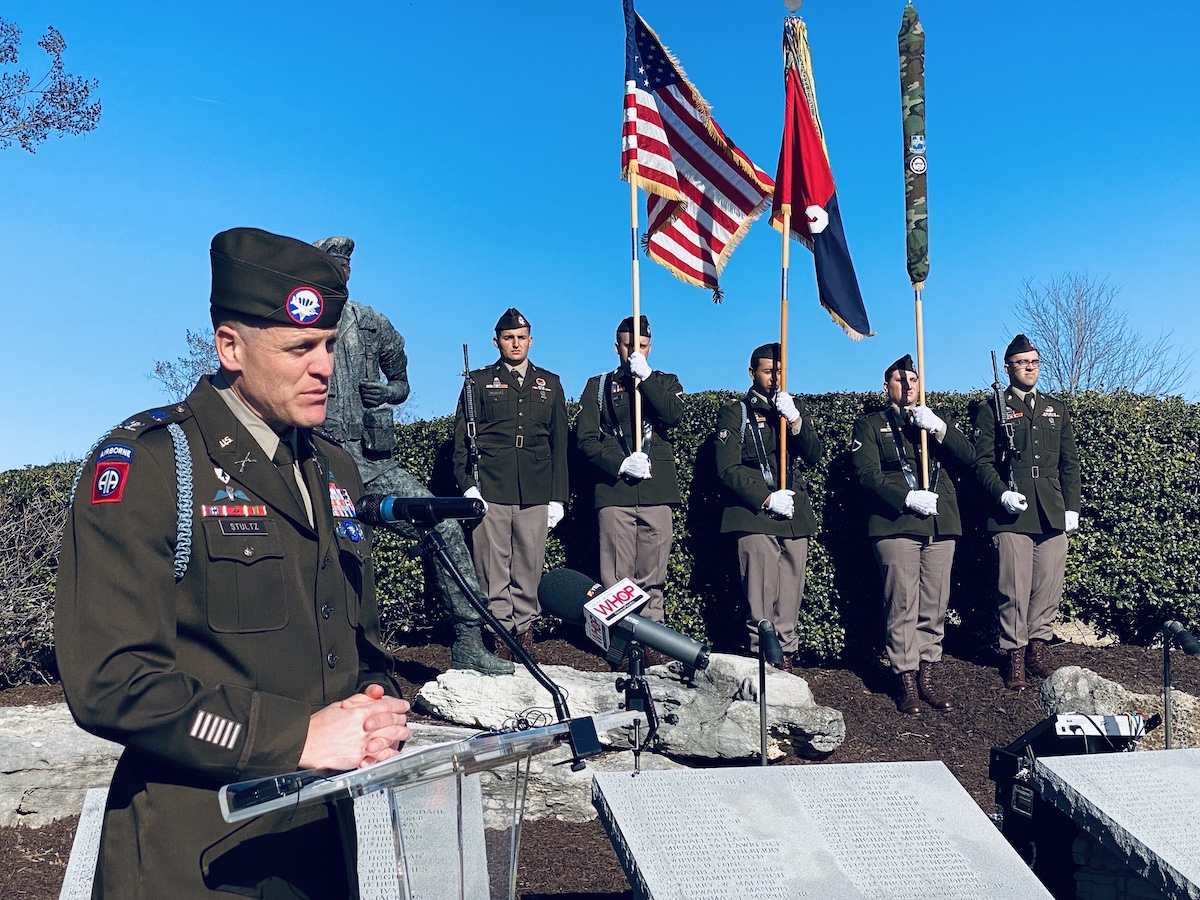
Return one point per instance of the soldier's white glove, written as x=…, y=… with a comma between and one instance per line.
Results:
x=925, y=418
x=786, y=406
x=1013, y=502
x=781, y=504
x=1072, y=520
x=635, y=465
x=554, y=513
x=638, y=366
x=922, y=502
x=472, y=493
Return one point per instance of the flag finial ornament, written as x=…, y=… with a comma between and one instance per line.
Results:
x=793, y=5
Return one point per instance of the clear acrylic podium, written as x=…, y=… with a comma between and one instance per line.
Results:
x=443, y=847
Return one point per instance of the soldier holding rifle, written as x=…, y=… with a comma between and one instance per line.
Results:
x=520, y=473
x=1036, y=490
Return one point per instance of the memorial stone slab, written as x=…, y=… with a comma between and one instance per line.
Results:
x=1139, y=806
x=902, y=831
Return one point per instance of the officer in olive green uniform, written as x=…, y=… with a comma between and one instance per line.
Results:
x=521, y=429
x=772, y=522
x=215, y=610
x=912, y=529
x=635, y=489
x=1029, y=521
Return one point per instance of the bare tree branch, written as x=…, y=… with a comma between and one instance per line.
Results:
x=179, y=377
x=1086, y=342
x=58, y=102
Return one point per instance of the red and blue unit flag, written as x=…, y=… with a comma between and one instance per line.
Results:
x=804, y=187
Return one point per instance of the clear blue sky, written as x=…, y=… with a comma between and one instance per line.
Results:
x=472, y=151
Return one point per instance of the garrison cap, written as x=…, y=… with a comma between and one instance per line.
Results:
x=279, y=280
x=903, y=364
x=626, y=326
x=766, y=351
x=339, y=248
x=511, y=319
x=1020, y=344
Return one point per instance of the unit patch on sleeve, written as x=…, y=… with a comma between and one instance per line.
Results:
x=109, y=483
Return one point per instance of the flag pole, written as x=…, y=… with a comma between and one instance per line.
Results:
x=917, y=288
x=637, y=308
x=783, y=335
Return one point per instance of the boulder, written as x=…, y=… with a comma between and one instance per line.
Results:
x=713, y=716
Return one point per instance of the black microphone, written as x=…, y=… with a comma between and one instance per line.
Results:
x=565, y=593
x=384, y=509
x=1183, y=637
x=768, y=641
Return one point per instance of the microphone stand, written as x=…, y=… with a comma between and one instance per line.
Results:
x=637, y=698
x=582, y=732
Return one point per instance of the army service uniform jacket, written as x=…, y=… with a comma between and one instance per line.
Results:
x=1046, y=467
x=205, y=655
x=877, y=459
x=739, y=469
x=662, y=408
x=522, y=434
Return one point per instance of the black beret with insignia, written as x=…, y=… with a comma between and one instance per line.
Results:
x=766, y=351
x=1020, y=344
x=511, y=319
x=626, y=326
x=278, y=280
x=903, y=364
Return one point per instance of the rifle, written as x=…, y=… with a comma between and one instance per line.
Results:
x=469, y=410
x=1005, y=455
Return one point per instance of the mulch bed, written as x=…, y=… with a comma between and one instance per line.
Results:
x=32, y=861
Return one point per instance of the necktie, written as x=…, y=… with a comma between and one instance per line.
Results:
x=285, y=461
x=519, y=378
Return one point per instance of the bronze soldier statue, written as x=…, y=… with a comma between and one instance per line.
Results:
x=359, y=418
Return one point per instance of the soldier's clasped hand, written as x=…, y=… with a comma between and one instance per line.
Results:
x=924, y=503
x=1013, y=502
x=636, y=466
x=781, y=504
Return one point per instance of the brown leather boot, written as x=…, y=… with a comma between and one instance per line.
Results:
x=928, y=690
x=525, y=639
x=906, y=694
x=1014, y=680
x=1037, y=661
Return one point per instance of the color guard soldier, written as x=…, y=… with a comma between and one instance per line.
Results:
x=1032, y=515
x=771, y=522
x=635, y=489
x=216, y=611
x=912, y=529
x=521, y=431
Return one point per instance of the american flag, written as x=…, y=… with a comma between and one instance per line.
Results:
x=804, y=188
x=703, y=192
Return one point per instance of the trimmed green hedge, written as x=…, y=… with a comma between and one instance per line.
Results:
x=1134, y=563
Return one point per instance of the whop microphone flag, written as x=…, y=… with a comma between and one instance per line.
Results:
x=804, y=187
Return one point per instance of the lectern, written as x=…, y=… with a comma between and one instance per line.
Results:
x=435, y=804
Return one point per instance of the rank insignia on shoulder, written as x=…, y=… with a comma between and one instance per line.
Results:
x=131, y=425
x=159, y=415
x=109, y=483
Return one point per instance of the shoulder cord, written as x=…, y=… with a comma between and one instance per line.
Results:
x=604, y=390
x=905, y=466
x=183, y=500
x=758, y=445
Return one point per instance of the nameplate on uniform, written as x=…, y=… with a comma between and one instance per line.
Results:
x=243, y=526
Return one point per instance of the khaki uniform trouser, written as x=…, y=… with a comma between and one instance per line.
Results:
x=1030, y=584
x=635, y=543
x=510, y=551
x=772, y=571
x=916, y=589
